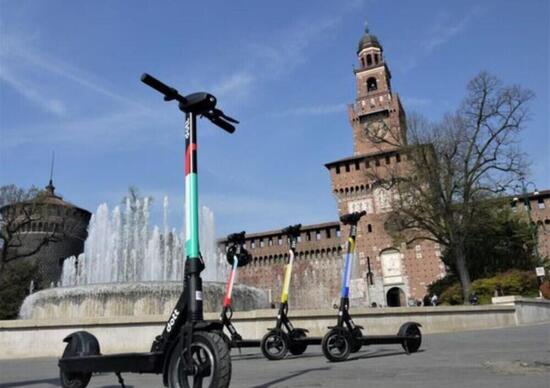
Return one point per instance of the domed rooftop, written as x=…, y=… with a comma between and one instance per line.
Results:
x=46, y=197
x=368, y=40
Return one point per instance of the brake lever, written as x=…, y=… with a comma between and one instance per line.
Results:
x=220, y=113
x=217, y=120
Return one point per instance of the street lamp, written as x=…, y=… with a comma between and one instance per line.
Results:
x=532, y=226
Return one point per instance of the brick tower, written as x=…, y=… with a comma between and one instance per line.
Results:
x=398, y=273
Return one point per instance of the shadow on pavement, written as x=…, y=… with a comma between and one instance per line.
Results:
x=29, y=383
x=296, y=374
x=256, y=356
x=380, y=354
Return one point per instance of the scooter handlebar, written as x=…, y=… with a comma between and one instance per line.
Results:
x=292, y=230
x=236, y=238
x=169, y=92
x=352, y=218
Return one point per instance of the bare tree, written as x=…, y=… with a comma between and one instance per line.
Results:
x=26, y=209
x=454, y=167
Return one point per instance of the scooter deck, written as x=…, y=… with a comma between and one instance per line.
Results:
x=122, y=362
x=384, y=339
x=246, y=343
x=309, y=340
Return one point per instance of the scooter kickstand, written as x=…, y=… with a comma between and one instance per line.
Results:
x=120, y=379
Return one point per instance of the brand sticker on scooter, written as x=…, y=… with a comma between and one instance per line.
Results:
x=187, y=126
x=172, y=320
x=198, y=295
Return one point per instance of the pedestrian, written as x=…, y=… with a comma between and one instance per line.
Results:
x=474, y=300
x=434, y=300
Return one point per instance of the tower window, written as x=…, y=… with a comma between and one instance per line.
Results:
x=347, y=167
x=369, y=60
x=387, y=160
x=372, y=84
x=357, y=166
x=362, y=62
x=369, y=228
x=337, y=169
x=375, y=58
x=398, y=158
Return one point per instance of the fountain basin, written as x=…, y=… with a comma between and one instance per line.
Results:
x=131, y=299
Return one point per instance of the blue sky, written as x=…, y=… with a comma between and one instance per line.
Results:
x=69, y=82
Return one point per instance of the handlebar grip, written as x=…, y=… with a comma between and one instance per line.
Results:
x=352, y=218
x=230, y=128
x=158, y=85
x=292, y=230
x=237, y=238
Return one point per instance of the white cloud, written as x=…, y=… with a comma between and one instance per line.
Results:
x=315, y=110
x=443, y=30
x=415, y=101
x=21, y=61
x=27, y=90
x=235, y=85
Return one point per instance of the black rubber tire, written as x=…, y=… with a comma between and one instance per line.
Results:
x=336, y=345
x=209, y=347
x=73, y=380
x=356, y=344
x=412, y=346
x=225, y=338
x=274, y=339
x=297, y=348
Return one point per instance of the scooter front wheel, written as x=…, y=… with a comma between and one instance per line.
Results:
x=336, y=345
x=356, y=340
x=274, y=345
x=211, y=363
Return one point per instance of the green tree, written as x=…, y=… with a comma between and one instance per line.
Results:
x=15, y=281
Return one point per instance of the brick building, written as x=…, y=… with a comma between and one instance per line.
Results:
x=399, y=273
x=538, y=205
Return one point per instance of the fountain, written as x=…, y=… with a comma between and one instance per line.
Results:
x=129, y=268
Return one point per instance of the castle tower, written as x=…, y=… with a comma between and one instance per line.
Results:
x=377, y=117
x=399, y=273
x=46, y=230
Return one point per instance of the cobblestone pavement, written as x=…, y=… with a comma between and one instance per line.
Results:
x=513, y=357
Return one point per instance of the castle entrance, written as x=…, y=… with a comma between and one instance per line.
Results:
x=395, y=297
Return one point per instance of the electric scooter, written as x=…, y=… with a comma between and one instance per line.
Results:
x=284, y=337
x=190, y=352
x=237, y=256
x=346, y=337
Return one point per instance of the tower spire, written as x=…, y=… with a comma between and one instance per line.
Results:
x=50, y=188
x=366, y=26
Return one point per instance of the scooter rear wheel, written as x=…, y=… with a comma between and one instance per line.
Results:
x=78, y=379
x=210, y=355
x=274, y=345
x=74, y=380
x=412, y=345
x=336, y=345
x=295, y=346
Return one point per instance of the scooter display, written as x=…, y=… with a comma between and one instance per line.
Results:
x=190, y=352
x=237, y=256
x=284, y=337
x=346, y=337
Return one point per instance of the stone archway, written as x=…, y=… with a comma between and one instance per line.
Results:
x=395, y=297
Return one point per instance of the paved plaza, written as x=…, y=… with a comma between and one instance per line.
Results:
x=514, y=357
